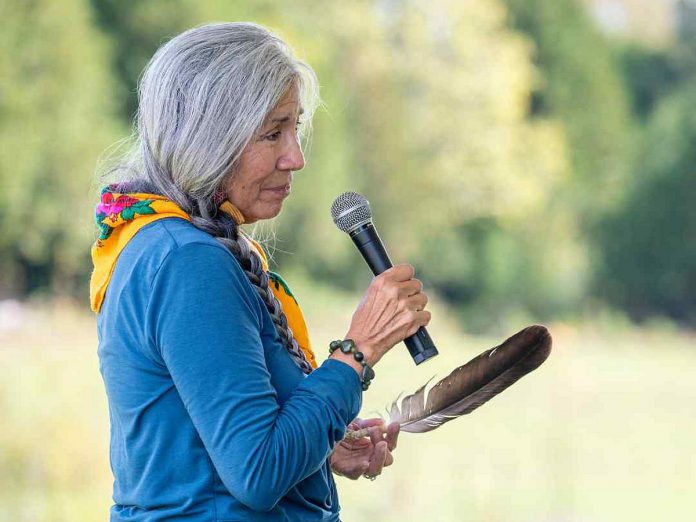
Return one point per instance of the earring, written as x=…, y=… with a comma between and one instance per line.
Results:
x=218, y=197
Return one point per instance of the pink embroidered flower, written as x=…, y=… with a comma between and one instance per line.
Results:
x=113, y=207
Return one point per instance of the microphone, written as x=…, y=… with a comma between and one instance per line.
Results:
x=351, y=213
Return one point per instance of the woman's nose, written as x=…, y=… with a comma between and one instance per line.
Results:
x=291, y=157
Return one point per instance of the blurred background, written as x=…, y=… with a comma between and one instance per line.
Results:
x=534, y=159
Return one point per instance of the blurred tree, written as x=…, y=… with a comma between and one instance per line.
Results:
x=649, y=74
x=580, y=84
x=648, y=244
x=56, y=117
x=652, y=73
x=649, y=263
x=137, y=28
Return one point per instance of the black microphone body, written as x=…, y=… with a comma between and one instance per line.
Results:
x=368, y=242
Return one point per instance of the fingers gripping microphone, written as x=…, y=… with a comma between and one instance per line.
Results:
x=351, y=213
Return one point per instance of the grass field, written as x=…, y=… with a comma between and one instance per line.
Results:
x=603, y=431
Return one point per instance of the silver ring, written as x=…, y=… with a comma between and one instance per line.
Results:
x=371, y=477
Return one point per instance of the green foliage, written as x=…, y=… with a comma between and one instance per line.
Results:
x=56, y=117
x=650, y=260
x=650, y=75
x=138, y=28
x=580, y=84
x=512, y=272
x=647, y=263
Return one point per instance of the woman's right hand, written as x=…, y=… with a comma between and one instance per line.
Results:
x=391, y=310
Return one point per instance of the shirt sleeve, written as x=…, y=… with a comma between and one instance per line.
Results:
x=206, y=323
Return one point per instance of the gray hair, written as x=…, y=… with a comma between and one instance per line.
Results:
x=202, y=97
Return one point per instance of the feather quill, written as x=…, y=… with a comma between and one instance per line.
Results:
x=474, y=383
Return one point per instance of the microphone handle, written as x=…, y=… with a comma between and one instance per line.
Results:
x=368, y=242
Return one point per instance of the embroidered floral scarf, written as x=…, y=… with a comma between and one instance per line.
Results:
x=120, y=216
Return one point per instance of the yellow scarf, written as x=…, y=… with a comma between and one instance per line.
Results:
x=120, y=216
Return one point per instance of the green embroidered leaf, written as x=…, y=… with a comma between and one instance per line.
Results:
x=127, y=213
x=146, y=210
x=143, y=207
x=279, y=281
x=105, y=231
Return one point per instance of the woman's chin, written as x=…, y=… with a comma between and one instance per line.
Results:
x=267, y=211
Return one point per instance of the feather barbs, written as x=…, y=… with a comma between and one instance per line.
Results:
x=473, y=384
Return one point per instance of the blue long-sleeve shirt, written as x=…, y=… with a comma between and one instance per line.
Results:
x=211, y=420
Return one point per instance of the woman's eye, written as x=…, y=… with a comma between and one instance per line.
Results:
x=273, y=136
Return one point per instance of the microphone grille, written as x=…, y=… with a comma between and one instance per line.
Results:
x=349, y=210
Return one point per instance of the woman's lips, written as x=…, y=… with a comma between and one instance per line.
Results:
x=280, y=191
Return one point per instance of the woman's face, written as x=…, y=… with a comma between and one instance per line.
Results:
x=261, y=181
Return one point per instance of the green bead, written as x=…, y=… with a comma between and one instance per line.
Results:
x=347, y=346
x=368, y=373
x=358, y=356
x=334, y=345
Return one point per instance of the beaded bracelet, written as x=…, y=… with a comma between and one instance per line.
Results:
x=348, y=346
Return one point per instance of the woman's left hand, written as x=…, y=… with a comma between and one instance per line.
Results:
x=368, y=455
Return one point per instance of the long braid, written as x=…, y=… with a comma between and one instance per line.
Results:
x=251, y=264
x=225, y=230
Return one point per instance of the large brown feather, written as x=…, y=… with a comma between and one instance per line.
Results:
x=473, y=384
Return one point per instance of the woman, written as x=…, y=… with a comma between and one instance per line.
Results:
x=218, y=410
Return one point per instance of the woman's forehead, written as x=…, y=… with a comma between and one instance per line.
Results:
x=287, y=108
